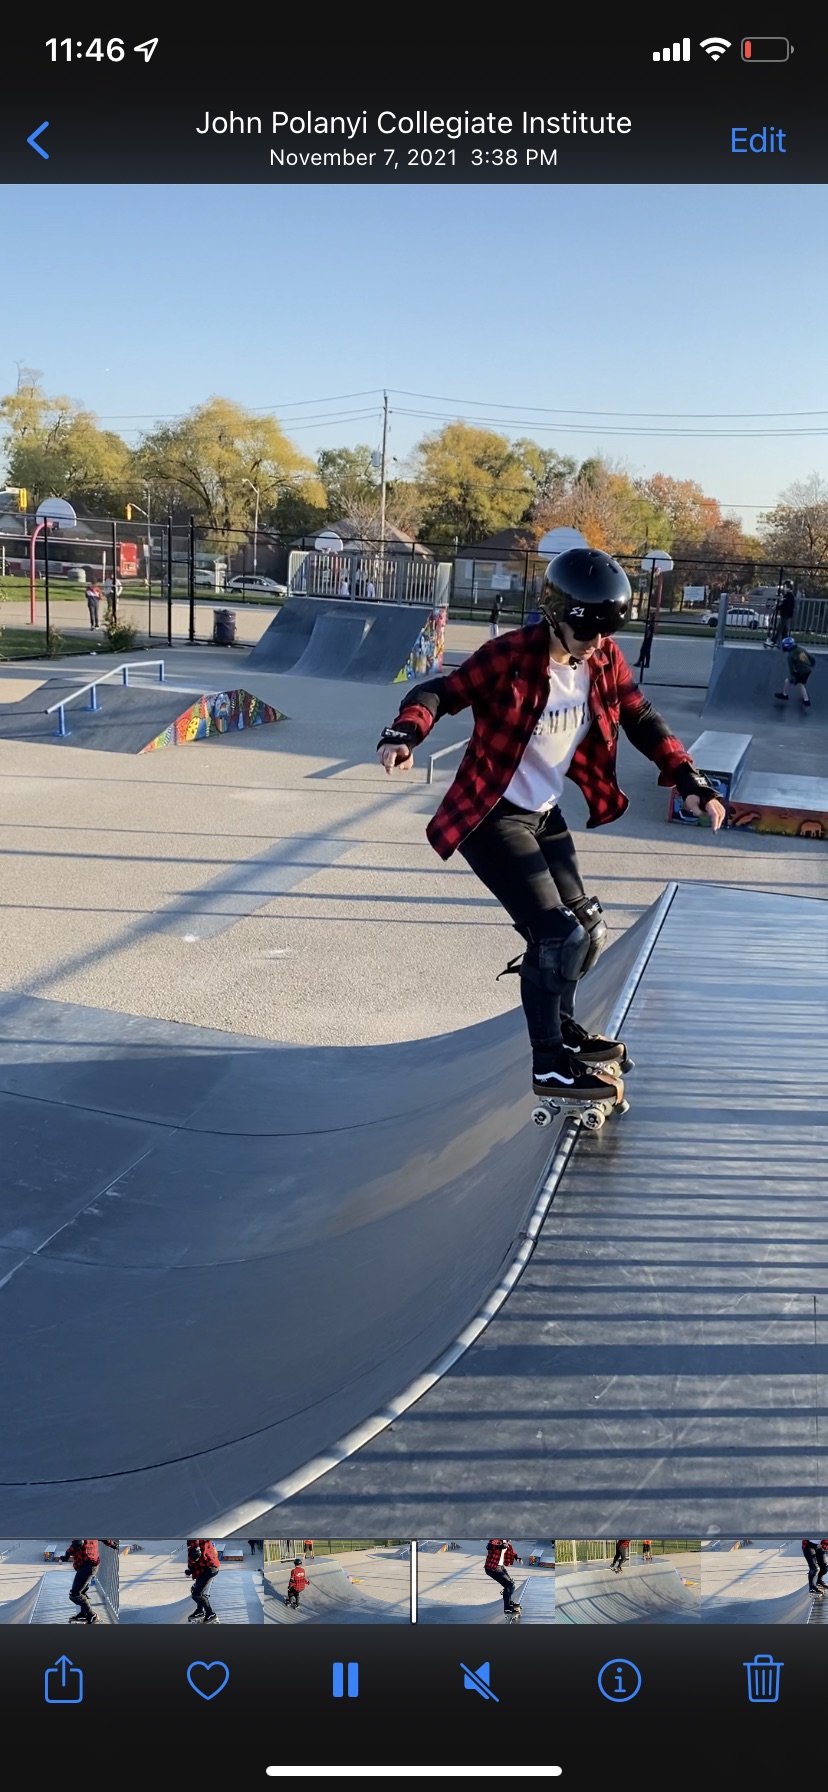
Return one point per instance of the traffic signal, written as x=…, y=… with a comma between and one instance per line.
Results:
x=22, y=498
x=129, y=513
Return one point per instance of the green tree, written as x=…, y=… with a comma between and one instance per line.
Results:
x=472, y=483
x=56, y=449
x=349, y=479
x=209, y=462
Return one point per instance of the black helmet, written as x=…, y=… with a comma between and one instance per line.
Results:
x=588, y=591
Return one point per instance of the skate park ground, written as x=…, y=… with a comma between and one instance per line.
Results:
x=664, y=1591
x=452, y=1587
x=36, y=1591
x=156, y=1590
x=279, y=888
x=764, y=1582
x=353, y=1586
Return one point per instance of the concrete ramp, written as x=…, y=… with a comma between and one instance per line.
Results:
x=764, y=1583
x=645, y=1593
x=338, y=1594
x=741, y=695
x=47, y=1601
x=336, y=638
x=134, y=718
x=332, y=646
x=191, y=1188
x=156, y=1590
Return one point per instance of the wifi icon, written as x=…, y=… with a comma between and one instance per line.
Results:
x=715, y=46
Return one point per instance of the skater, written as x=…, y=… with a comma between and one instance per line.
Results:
x=307, y=1549
x=800, y=667
x=85, y=1556
x=622, y=1555
x=548, y=701
x=645, y=652
x=499, y=1558
x=297, y=1584
x=494, y=617
x=817, y=1560
x=94, y=597
x=647, y=1550
x=253, y=1545
x=202, y=1567
x=785, y=606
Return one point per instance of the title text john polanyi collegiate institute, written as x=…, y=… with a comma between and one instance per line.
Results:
x=417, y=124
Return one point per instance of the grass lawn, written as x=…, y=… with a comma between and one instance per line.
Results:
x=30, y=644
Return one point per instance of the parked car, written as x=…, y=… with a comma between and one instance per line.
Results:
x=738, y=616
x=255, y=582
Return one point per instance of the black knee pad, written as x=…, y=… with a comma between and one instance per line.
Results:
x=555, y=958
x=589, y=913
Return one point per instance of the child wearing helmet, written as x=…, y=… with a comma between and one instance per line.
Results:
x=800, y=667
x=548, y=700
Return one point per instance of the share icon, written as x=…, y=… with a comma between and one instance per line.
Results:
x=477, y=1680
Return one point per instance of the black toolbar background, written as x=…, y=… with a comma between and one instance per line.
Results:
x=136, y=122
x=691, y=1717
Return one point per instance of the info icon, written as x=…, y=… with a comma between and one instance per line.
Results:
x=619, y=1681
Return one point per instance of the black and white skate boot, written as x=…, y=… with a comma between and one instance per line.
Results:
x=195, y=1618
x=212, y=1618
x=593, y=1048
x=78, y=1618
x=555, y=1072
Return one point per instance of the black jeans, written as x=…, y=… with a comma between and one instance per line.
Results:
x=505, y=1581
x=198, y=1591
x=529, y=863
x=621, y=1556
x=80, y=1586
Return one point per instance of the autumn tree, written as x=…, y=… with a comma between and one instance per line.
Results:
x=608, y=508
x=690, y=514
x=795, y=532
x=54, y=448
x=211, y=463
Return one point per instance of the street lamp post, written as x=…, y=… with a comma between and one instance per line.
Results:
x=254, y=488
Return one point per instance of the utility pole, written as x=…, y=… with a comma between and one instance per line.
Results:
x=383, y=469
x=383, y=485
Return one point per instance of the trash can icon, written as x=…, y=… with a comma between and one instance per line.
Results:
x=763, y=1679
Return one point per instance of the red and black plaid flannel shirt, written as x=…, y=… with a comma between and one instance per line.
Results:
x=201, y=1554
x=500, y=1553
x=506, y=684
x=83, y=1552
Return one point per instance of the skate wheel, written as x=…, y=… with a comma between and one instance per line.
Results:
x=541, y=1116
x=629, y=1064
x=623, y=1107
x=593, y=1119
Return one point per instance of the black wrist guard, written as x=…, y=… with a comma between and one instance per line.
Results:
x=402, y=734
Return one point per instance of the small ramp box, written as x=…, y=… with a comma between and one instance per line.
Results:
x=363, y=643
x=218, y=712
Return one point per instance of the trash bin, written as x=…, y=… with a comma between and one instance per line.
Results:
x=224, y=628
x=763, y=1679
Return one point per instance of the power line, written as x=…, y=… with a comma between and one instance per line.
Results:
x=573, y=411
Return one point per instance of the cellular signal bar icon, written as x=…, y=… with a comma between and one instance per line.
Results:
x=678, y=53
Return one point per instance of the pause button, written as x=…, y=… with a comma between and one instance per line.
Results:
x=346, y=1680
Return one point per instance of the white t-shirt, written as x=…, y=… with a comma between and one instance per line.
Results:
x=539, y=780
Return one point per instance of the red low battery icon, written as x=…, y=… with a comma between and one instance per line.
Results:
x=766, y=49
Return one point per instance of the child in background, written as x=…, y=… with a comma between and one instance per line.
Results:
x=800, y=667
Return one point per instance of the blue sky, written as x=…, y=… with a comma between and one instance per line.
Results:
x=143, y=301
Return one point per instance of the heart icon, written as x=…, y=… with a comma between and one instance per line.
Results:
x=208, y=1678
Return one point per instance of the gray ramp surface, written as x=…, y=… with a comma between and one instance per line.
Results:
x=645, y=1593
x=740, y=696
x=47, y=1601
x=331, y=647
x=763, y=1583
x=661, y=1364
x=128, y=717
x=339, y=1593
x=240, y=1251
x=389, y=632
